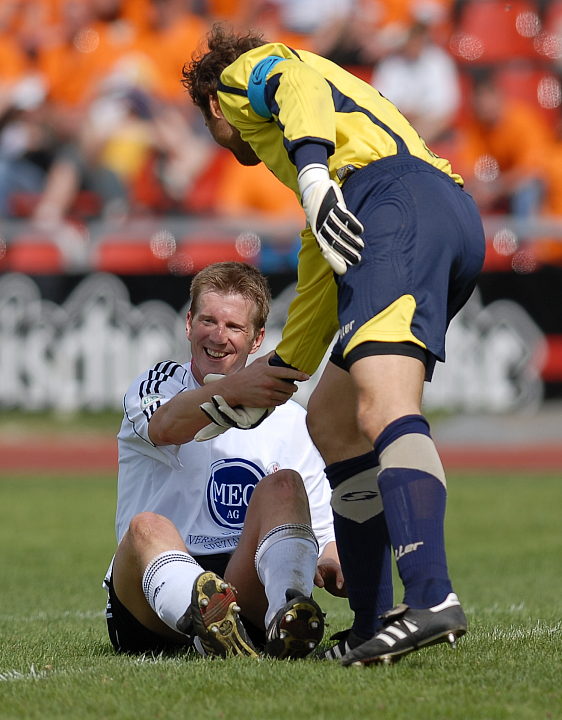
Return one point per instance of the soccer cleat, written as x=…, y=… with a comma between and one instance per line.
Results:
x=215, y=616
x=346, y=640
x=296, y=629
x=406, y=629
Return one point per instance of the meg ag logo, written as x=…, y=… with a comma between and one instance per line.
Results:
x=229, y=489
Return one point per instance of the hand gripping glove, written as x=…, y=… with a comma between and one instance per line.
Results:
x=223, y=416
x=336, y=230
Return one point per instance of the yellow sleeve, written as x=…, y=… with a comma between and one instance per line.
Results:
x=305, y=105
x=313, y=319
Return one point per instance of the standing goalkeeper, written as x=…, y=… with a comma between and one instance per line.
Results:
x=391, y=252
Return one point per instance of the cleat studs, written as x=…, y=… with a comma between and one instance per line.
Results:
x=386, y=660
x=283, y=634
x=452, y=640
x=223, y=586
x=288, y=618
x=311, y=645
x=204, y=602
x=314, y=625
x=236, y=608
x=214, y=629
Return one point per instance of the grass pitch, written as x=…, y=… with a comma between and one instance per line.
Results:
x=504, y=550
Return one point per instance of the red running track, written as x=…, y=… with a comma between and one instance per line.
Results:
x=100, y=455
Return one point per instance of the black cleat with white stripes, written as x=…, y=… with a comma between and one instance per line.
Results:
x=407, y=629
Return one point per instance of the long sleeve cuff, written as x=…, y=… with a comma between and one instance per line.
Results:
x=310, y=153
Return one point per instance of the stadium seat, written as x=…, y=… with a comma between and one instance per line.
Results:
x=34, y=255
x=495, y=261
x=489, y=31
x=126, y=255
x=552, y=369
x=552, y=20
x=196, y=253
x=537, y=87
x=86, y=204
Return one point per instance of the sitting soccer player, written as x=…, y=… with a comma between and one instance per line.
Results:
x=245, y=510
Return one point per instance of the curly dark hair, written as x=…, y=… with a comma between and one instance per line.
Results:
x=201, y=75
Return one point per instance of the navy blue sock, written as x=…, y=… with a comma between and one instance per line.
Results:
x=363, y=547
x=414, y=503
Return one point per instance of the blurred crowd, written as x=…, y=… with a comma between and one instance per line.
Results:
x=94, y=121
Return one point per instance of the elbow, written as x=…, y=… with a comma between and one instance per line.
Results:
x=161, y=432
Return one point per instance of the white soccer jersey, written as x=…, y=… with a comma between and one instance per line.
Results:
x=204, y=488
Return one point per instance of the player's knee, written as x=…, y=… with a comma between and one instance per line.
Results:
x=146, y=526
x=284, y=487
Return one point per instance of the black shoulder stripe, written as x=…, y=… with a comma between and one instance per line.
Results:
x=157, y=375
x=232, y=90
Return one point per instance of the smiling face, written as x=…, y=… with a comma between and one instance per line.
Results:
x=222, y=333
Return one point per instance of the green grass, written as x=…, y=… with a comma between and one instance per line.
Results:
x=504, y=549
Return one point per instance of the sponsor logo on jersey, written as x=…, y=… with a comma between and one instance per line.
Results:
x=149, y=400
x=229, y=489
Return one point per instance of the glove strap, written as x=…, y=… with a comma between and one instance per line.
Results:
x=310, y=175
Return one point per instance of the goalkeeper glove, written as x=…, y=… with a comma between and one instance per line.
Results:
x=223, y=417
x=337, y=231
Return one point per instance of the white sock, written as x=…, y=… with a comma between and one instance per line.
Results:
x=286, y=558
x=167, y=582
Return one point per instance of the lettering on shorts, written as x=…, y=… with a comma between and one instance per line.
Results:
x=347, y=328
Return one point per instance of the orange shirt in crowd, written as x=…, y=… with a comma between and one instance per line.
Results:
x=552, y=167
x=254, y=190
x=74, y=68
x=517, y=141
x=13, y=62
x=169, y=49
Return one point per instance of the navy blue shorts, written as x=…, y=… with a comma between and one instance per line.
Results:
x=424, y=249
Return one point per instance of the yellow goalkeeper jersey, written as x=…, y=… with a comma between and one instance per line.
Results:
x=280, y=99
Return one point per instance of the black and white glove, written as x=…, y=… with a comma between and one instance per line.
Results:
x=337, y=231
x=223, y=417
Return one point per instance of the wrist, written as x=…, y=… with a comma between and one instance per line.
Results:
x=277, y=361
x=309, y=176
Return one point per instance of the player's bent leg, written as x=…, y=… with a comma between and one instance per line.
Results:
x=274, y=566
x=278, y=499
x=413, y=490
x=359, y=524
x=151, y=553
x=335, y=397
x=388, y=387
x=363, y=546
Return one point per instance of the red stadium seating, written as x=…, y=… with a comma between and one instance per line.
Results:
x=124, y=255
x=196, y=253
x=86, y=204
x=128, y=255
x=34, y=255
x=491, y=31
